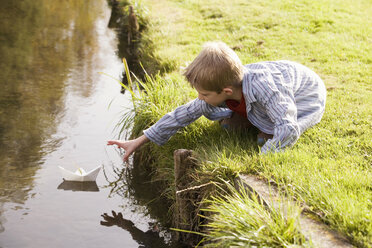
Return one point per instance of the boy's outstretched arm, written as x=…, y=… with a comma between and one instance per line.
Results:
x=182, y=116
x=170, y=123
x=129, y=146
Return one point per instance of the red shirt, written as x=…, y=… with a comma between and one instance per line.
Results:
x=238, y=107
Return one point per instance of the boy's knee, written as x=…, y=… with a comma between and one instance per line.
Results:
x=263, y=137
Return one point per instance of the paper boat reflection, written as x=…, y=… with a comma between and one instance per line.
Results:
x=78, y=186
x=80, y=175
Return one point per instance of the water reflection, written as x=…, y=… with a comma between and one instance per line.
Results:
x=41, y=41
x=146, y=239
x=128, y=50
x=79, y=186
x=134, y=182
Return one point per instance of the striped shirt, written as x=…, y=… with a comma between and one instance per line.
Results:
x=282, y=98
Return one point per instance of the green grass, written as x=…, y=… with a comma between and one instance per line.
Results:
x=329, y=168
x=240, y=219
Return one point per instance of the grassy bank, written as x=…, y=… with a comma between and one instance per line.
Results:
x=329, y=168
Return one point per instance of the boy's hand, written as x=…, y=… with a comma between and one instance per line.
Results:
x=129, y=146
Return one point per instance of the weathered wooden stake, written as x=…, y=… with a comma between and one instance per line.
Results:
x=185, y=209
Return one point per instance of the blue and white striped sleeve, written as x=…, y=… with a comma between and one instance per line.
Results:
x=182, y=116
x=281, y=109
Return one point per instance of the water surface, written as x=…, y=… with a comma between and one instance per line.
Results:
x=57, y=110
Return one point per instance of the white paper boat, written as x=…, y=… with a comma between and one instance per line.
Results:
x=80, y=175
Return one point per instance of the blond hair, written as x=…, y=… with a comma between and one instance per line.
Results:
x=216, y=67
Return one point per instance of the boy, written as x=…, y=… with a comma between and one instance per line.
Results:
x=282, y=99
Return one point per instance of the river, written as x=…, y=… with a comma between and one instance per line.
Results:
x=57, y=110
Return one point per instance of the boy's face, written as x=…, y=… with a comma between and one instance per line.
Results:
x=213, y=98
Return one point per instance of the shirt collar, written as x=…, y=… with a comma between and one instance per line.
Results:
x=247, y=87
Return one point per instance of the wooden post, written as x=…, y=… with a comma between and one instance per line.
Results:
x=185, y=209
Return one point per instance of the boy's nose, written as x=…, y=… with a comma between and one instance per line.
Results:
x=200, y=96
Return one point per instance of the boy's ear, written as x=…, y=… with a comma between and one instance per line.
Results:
x=228, y=90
